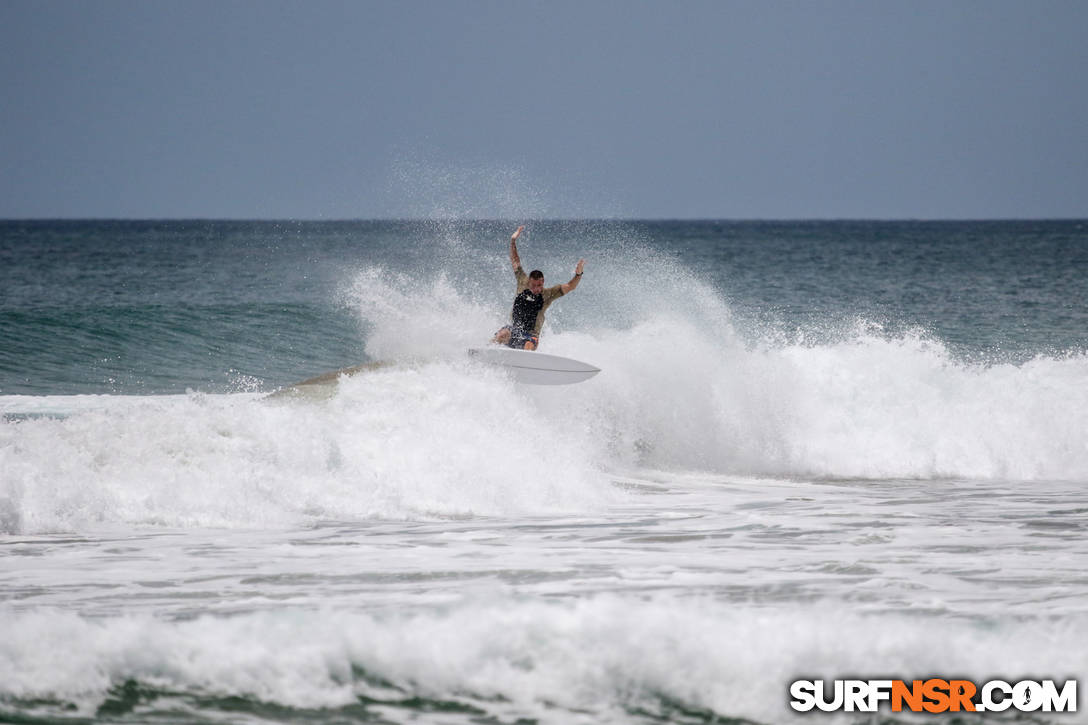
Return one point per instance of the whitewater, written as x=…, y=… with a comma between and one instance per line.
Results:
x=794, y=464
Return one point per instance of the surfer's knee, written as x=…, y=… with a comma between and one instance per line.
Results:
x=502, y=336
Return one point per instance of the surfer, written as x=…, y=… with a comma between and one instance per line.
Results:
x=531, y=301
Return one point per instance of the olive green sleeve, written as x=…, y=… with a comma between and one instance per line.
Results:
x=552, y=293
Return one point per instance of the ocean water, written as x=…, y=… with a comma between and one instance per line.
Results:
x=816, y=450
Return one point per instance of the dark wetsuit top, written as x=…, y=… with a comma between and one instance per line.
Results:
x=527, y=308
x=527, y=316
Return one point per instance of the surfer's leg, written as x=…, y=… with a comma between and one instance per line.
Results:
x=531, y=343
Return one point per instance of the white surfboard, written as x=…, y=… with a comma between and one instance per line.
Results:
x=535, y=368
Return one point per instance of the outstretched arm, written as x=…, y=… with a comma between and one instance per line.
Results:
x=514, y=259
x=569, y=286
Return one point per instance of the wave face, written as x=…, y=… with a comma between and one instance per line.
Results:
x=699, y=372
x=143, y=308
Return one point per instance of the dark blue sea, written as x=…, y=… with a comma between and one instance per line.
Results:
x=815, y=449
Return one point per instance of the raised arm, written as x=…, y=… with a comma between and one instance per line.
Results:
x=569, y=286
x=514, y=259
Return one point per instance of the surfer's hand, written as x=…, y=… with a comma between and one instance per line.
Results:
x=514, y=259
x=580, y=267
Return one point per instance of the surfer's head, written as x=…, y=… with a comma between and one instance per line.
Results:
x=536, y=281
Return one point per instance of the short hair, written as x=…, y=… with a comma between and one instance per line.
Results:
x=536, y=274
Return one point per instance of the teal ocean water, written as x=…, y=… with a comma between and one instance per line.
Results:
x=162, y=307
x=815, y=449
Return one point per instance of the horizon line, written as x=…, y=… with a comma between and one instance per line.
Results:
x=424, y=219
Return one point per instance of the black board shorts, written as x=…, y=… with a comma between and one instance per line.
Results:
x=518, y=338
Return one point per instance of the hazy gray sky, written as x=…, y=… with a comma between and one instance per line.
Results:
x=560, y=109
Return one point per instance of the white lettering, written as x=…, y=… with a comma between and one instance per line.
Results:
x=1027, y=696
x=879, y=690
x=821, y=698
x=856, y=695
x=989, y=704
x=994, y=696
x=804, y=695
x=1065, y=701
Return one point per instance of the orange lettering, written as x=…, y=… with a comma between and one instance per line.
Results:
x=961, y=692
x=911, y=695
x=936, y=691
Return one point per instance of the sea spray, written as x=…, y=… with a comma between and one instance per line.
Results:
x=683, y=388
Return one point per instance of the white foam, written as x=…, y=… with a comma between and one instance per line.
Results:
x=409, y=442
x=592, y=660
x=867, y=407
x=681, y=389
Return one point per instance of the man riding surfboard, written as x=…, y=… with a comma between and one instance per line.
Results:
x=530, y=302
